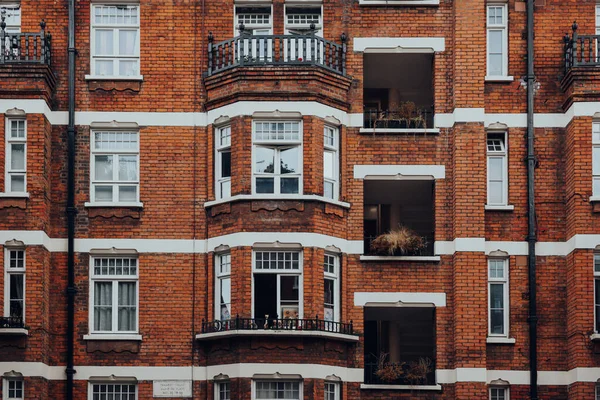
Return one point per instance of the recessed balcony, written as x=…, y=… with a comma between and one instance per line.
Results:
x=277, y=327
x=12, y=326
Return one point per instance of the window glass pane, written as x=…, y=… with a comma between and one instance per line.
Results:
x=103, y=306
x=225, y=290
x=225, y=188
x=17, y=156
x=290, y=185
x=329, y=164
x=127, y=42
x=128, y=67
x=17, y=183
x=596, y=160
x=596, y=186
x=103, y=193
x=104, y=68
x=127, y=168
x=497, y=308
x=328, y=190
x=104, y=42
x=225, y=164
x=495, y=193
x=103, y=170
x=290, y=160
x=127, y=193
x=496, y=268
x=127, y=306
x=264, y=160
x=265, y=185
x=17, y=294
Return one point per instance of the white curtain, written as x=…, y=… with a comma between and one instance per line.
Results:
x=16, y=295
x=103, y=306
x=127, y=306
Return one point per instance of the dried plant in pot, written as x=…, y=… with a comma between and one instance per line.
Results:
x=386, y=371
x=417, y=371
x=401, y=240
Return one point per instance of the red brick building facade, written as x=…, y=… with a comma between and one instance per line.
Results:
x=299, y=199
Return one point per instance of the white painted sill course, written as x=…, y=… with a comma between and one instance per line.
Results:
x=114, y=78
x=500, y=340
x=15, y=195
x=274, y=333
x=14, y=331
x=111, y=336
x=401, y=258
x=499, y=208
x=402, y=387
x=113, y=205
x=296, y=197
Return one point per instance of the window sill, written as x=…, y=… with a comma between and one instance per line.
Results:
x=111, y=205
x=399, y=131
x=401, y=258
x=111, y=336
x=499, y=78
x=500, y=340
x=278, y=333
x=16, y=195
x=595, y=337
x=296, y=197
x=399, y=2
x=114, y=78
x=14, y=332
x=499, y=208
x=364, y=386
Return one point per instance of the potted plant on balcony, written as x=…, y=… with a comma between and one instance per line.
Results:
x=388, y=372
x=400, y=240
x=417, y=371
x=406, y=114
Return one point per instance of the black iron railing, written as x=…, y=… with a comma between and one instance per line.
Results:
x=278, y=50
x=427, y=250
x=11, y=322
x=581, y=50
x=421, y=119
x=277, y=324
x=401, y=370
x=24, y=48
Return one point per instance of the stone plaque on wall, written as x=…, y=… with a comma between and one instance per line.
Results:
x=172, y=389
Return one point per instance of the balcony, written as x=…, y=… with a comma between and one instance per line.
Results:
x=25, y=64
x=25, y=48
x=276, y=50
x=12, y=326
x=279, y=327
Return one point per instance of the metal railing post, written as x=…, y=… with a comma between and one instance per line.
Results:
x=43, y=42
x=210, y=53
x=2, y=39
x=574, y=47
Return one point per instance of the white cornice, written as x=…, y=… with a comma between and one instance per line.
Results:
x=399, y=44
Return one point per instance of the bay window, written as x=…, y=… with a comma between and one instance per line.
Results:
x=497, y=170
x=498, y=297
x=277, y=284
x=331, y=163
x=277, y=157
x=115, y=40
x=223, y=164
x=497, y=40
x=268, y=390
x=16, y=155
x=114, y=295
x=223, y=287
x=14, y=286
x=115, y=167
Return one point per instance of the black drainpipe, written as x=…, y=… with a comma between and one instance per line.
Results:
x=531, y=217
x=71, y=210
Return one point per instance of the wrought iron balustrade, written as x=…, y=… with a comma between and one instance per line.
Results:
x=382, y=119
x=24, y=48
x=11, y=322
x=277, y=324
x=581, y=50
x=276, y=50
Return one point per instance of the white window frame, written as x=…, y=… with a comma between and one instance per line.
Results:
x=335, y=277
x=504, y=281
x=503, y=28
x=299, y=382
x=279, y=145
x=115, y=183
x=16, y=271
x=115, y=280
x=506, y=391
x=217, y=389
x=596, y=160
x=334, y=149
x=5, y=383
x=281, y=272
x=13, y=16
x=304, y=28
x=9, y=141
x=222, y=272
x=503, y=156
x=222, y=145
x=109, y=383
x=336, y=390
x=597, y=392
x=115, y=28
x=255, y=29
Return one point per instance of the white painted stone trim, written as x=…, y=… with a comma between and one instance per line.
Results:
x=393, y=171
x=363, y=298
x=302, y=197
x=412, y=3
x=14, y=195
x=402, y=387
x=112, y=336
x=397, y=131
x=401, y=258
x=13, y=332
x=278, y=333
x=399, y=44
x=500, y=340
